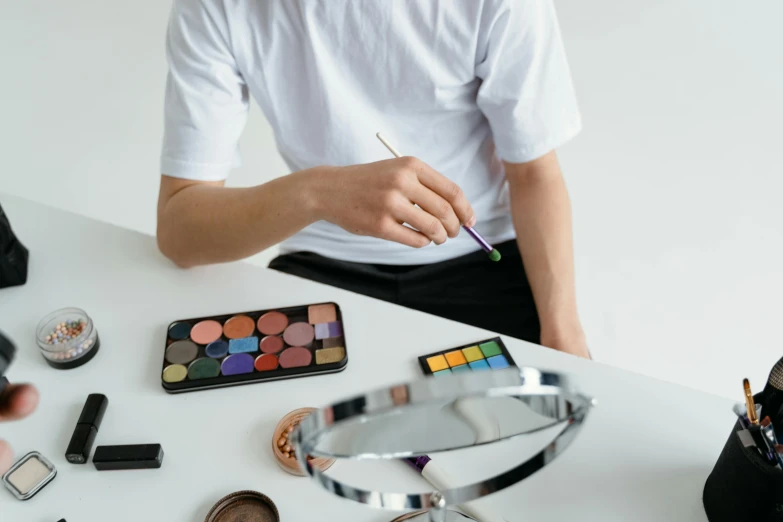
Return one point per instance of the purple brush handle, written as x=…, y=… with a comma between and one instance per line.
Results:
x=480, y=240
x=417, y=463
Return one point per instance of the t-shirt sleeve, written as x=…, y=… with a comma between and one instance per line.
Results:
x=206, y=100
x=526, y=91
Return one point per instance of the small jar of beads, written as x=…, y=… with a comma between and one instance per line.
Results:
x=67, y=338
x=281, y=447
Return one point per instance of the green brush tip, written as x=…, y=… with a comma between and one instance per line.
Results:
x=494, y=255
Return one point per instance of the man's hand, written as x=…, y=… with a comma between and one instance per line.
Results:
x=16, y=401
x=375, y=199
x=571, y=341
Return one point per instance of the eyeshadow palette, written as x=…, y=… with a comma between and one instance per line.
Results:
x=483, y=355
x=265, y=345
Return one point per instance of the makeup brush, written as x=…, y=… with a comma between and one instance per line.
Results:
x=771, y=398
x=752, y=417
x=441, y=480
x=493, y=253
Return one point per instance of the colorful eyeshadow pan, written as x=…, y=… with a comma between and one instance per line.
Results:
x=490, y=354
x=179, y=331
x=272, y=323
x=333, y=342
x=237, y=364
x=329, y=355
x=490, y=349
x=245, y=345
x=479, y=365
x=238, y=327
x=299, y=334
x=295, y=357
x=203, y=368
x=175, y=373
x=271, y=344
x=325, y=313
x=205, y=332
x=456, y=358
x=326, y=330
x=266, y=362
x=497, y=362
x=217, y=349
x=181, y=352
x=437, y=363
x=472, y=354
x=253, y=346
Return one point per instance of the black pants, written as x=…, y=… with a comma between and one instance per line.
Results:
x=470, y=289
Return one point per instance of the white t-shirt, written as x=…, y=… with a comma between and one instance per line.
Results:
x=458, y=84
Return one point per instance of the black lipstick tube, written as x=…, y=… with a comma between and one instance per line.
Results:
x=133, y=456
x=86, y=430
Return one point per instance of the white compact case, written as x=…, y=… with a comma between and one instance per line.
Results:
x=29, y=475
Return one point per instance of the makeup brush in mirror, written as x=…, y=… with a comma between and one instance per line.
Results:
x=491, y=251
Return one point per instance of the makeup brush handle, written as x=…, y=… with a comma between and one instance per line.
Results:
x=480, y=240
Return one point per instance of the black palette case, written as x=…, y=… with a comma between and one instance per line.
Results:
x=295, y=314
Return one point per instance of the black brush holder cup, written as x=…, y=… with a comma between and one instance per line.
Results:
x=13, y=255
x=742, y=486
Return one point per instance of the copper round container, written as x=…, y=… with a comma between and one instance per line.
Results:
x=289, y=463
x=244, y=506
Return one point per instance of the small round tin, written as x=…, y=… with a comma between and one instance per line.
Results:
x=244, y=506
x=67, y=338
x=285, y=461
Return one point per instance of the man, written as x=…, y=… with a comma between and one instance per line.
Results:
x=478, y=93
x=16, y=401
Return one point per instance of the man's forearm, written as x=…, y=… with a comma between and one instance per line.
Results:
x=208, y=223
x=542, y=218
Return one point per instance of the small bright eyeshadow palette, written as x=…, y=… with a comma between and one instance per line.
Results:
x=484, y=355
x=248, y=347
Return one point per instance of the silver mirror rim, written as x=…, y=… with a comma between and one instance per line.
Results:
x=520, y=382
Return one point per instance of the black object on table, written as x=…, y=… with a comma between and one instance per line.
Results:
x=7, y=351
x=133, y=456
x=86, y=429
x=743, y=486
x=13, y=255
x=771, y=398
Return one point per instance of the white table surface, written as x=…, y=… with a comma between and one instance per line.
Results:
x=641, y=455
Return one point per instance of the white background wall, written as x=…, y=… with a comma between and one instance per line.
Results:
x=675, y=180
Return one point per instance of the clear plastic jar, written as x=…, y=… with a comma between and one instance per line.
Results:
x=67, y=338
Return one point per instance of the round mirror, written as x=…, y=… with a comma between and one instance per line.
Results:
x=443, y=414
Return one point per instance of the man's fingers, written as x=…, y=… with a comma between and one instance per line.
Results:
x=448, y=190
x=422, y=221
x=6, y=456
x=438, y=207
x=17, y=401
x=399, y=233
